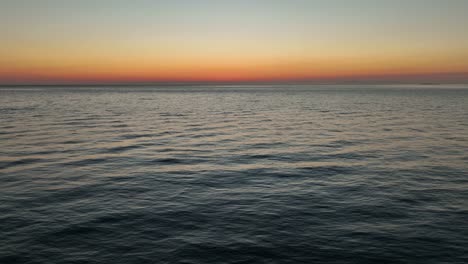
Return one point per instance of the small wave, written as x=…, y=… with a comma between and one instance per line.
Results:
x=329, y=170
x=121, y=149
x=134, y=136
x=20, y=162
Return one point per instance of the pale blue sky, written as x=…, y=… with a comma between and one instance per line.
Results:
x=296, y=30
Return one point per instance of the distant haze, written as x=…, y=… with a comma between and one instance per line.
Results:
x=142, y=41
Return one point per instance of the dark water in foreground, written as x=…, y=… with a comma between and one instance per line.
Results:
x=285, y=174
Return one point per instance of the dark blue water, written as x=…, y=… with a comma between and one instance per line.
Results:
x=240, y=174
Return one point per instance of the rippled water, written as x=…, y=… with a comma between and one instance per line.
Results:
x=240, y=174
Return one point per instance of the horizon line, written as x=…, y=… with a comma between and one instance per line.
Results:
x=116, y=84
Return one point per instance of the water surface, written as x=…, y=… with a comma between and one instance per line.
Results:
x=238, y=174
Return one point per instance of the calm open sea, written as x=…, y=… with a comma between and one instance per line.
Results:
x=235, y=174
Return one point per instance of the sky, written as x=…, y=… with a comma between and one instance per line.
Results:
x=117, y=41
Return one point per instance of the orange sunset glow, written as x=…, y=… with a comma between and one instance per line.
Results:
x=230, y=42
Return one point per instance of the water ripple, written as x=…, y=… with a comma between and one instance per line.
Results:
x=290, y=174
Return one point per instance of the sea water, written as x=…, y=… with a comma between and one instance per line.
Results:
x=234, y=174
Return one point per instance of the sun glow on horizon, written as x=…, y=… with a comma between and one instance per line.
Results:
x=231, y=41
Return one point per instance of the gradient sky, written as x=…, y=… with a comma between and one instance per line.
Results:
x=98, y=41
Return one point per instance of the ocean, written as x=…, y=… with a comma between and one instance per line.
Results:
x=234, y=174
